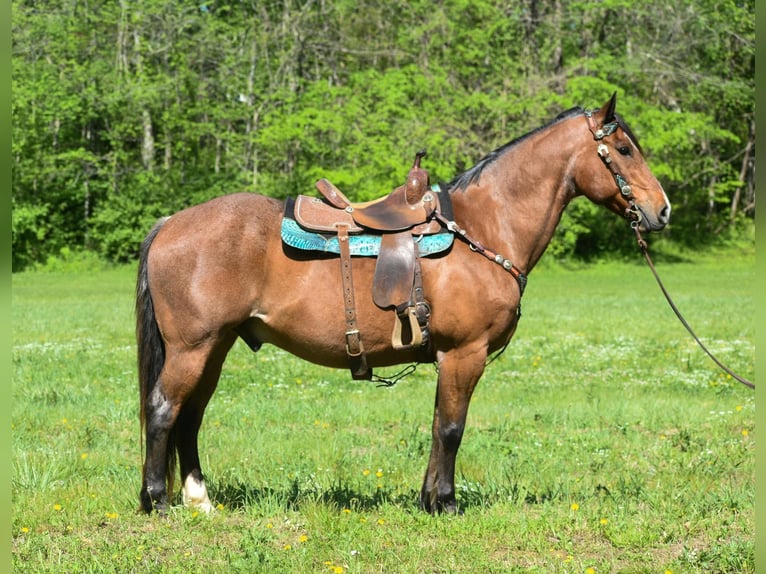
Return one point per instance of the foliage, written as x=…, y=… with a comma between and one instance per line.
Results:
x=591, y=445
x=126, y=111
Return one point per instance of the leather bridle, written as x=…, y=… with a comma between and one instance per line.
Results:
x=634, y=215
x=631, y=212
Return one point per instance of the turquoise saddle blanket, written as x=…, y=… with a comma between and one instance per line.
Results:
x=365, y=245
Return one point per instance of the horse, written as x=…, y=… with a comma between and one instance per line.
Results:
x=219, y=271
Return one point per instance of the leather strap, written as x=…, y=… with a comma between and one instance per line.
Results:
x=354, y=348
x=645, y=250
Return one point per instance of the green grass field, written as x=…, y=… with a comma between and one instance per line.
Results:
x=602, y=441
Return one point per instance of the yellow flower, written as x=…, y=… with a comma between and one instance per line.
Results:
x=269, y=525
x=381, y=521
x=575, y=506
x=338, y=569
x=603, y=522
x=57, y=507
x=303, y=538
x=83, y=456
x=668, y=571
x=745, y=432
x=379, y=473
x=111, y=515
x=24, y=529
x=590, y=571
x=346, y=511
x=219, y=506
x=738, y=408
x=366, y=472
x=287, y=547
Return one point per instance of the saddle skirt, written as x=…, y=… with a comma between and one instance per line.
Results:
x=322, y=237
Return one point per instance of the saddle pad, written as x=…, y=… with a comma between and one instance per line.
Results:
x=365, y=245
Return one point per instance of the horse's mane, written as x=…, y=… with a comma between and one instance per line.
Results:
x=462, y=181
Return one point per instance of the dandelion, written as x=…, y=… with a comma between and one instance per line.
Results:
x=111, y=515
x=287, y=547
x=303, y=538
x=745, y=432
x=83, y=456
x=381, y=521
x=269, y=525
x=366, y=472
x=575, y=507
x=590, y=570
x=668, y=571
x=738, y=408
x=603, y=522
x=24, y=529
x=346, y=511
x=57, y=507
x=338, y=569
x=195, y=514
x=219, y=506
x=379, y=474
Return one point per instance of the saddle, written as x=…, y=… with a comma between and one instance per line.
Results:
x=399, y=219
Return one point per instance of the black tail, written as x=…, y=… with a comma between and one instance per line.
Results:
x=151, y=349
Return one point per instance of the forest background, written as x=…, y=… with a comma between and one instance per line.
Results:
x=127, y=111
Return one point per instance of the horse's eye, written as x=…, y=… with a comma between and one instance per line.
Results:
x=624, y=150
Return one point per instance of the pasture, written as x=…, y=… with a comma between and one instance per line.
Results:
x=603, y=440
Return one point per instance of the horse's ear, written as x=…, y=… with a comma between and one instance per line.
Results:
x=607, y=110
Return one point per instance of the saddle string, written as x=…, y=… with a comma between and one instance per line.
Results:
x=645, y=250
x=395, y=378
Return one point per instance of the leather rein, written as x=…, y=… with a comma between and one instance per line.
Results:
x=634, y=215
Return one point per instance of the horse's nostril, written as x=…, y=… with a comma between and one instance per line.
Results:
x=665, y=214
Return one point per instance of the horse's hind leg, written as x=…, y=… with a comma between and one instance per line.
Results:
x=187, y=431
x=172, y=416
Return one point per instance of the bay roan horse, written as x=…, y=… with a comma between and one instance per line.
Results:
x=218, y=271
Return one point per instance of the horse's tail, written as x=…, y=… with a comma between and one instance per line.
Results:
x=151, y=349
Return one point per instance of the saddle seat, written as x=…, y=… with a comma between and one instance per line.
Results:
x=408, y=205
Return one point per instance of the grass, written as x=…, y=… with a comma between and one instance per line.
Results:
x=602, y=441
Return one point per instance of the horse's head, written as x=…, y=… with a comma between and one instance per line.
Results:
x=612, y=172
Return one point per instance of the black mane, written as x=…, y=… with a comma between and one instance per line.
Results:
x=465, y=179
x=473, y=175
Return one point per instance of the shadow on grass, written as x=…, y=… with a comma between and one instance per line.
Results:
x=295, y=494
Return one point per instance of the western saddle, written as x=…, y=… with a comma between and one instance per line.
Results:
x=399, y=218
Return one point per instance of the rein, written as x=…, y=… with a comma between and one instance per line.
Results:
x=634, y=214
x=644, y=249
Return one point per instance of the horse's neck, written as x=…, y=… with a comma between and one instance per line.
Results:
x=515, y=207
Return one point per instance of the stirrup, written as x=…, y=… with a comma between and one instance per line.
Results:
x=416, y=338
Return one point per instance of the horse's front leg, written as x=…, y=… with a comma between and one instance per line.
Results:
x=459, y=371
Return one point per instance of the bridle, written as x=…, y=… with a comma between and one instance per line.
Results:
x=631, y=212
x=634, y=215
